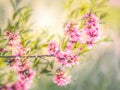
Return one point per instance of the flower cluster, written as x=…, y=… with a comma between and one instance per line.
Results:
x=15, y=44
x=91, y=28
x=25, y=75
x=20, y=65
x=86, y=36
x=52, y=47
x=61, y=78
x=73, y=32
x=66, y=57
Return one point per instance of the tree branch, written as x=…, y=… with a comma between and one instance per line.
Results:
x=31, y=56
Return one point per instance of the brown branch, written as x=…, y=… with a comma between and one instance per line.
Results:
x=31, y=56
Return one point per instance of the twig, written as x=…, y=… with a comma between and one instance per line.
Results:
x=31, y=56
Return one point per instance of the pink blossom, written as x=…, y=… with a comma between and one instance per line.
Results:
x=91, y=28
x=19, y=85
x=25, y=73
x=73, y=32
x=52, y=47
x=15, y=44
x=61, y=79
x=70, y=58
x=60, y=57
x=13, y=36
x=66, y=58
x=75, y=36
x=14, y=62
x=2, y=50
x=69, y=45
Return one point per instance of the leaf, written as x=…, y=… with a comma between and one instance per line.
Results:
x=0, y=32
x=45, y=71
x=51, y=37
x=82, y=24
x=76, y=45
x=103, y=15
x=64, y=44
x=27, y=14
x=107, y=39
x=36, y=43
x=43, y=45
x=18, y=12
x=68, y=4
x=13, y=4
x=27, y=43
x=52, y=64
x=22, y=40
x=1, y=76
x=50, y=74
x=36, y=62
x=17, y=2
x=11, y=76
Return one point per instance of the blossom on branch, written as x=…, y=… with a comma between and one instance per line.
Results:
x=61, y=78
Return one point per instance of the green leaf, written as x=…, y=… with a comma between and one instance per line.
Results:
x=67, y=4
x=11, y=76
x=36, y=62
x=17, y=2
x=51, y=37
x=64, y=43
x=76, y=45
x=0, y=32
x=52, y=64
x=18, y=12
x=22, y=40
x=13, y=4
x=36, y=43
x=107, y=39
x=1, y=77
x=27, y=43
x=43, y=45
x=103, y=15
x=45, y=71
x=27, y=14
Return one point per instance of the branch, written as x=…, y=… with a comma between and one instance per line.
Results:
x=31, y=56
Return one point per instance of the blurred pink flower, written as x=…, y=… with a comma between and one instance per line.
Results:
x=61, y=79
x=66, y=58
x=91, y=28
x=52, y=47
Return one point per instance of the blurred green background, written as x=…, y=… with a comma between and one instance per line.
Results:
x=100, y=70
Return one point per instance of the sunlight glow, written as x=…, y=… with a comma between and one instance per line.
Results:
x=45, y=18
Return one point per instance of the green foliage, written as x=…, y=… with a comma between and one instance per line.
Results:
x=67, y=4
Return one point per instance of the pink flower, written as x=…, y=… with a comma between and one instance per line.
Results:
x=2, y=50
x=13, y=36
x=61, y=79
x=71, y=58
x=66, y=58
x=75, y=36
x=69, y=26
x=91, y=28
x=60, y=57
x=73, y=32
x=52, y=47
x=21, y=66
x=19, y=85
x=14, y=62
x=69, y=45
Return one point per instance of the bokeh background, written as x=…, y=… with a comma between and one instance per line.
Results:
x=100, y=69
